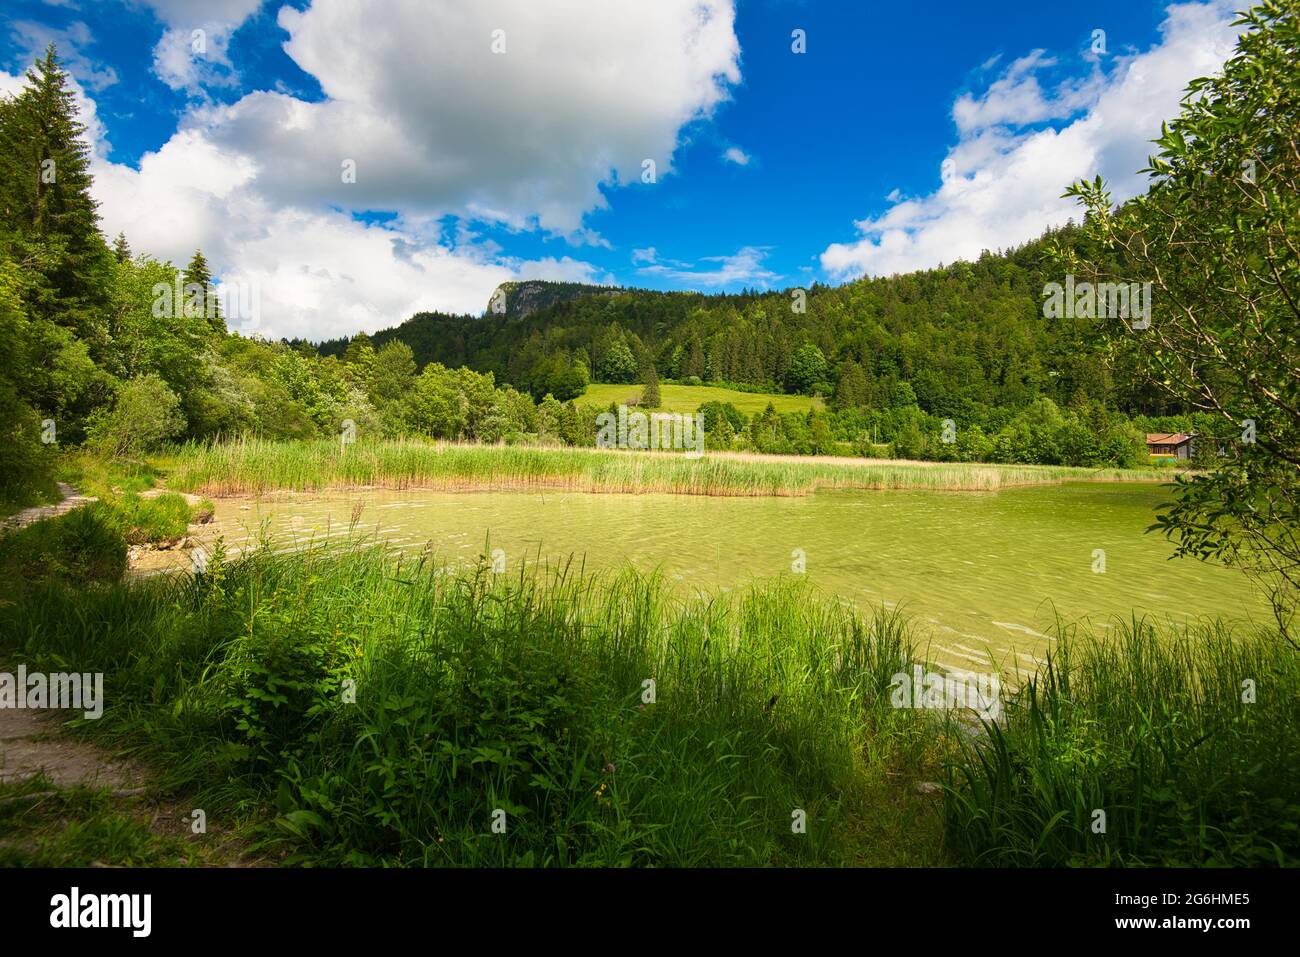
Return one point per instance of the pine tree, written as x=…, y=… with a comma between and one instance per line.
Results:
x=121, y=248
x=48, y=217
x=200, y=298
x=650, y=393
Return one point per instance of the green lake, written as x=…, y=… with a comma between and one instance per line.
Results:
x=980, y=572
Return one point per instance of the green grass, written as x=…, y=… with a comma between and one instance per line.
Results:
x=1150, y=729
x=526, y=693
x=87, y=544
x=44, y=826
x=688, y=398
x=43, y=492
x=253, y=466
x=90, y=543
x=163, y=518
x=93, y=474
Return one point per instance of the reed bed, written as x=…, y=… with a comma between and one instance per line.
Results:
x=253, y=466
x=1147, y=747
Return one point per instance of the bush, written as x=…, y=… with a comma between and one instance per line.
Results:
x=145, y=414
x=84, y=545
x=26, y=464
x=145, y=520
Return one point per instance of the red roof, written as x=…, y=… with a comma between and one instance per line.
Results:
x=1167, y=438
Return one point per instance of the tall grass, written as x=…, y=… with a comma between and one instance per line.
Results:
x=250, y=466
x=380, y=710
x=1158, y=733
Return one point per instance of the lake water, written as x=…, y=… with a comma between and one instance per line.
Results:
x=980, y=572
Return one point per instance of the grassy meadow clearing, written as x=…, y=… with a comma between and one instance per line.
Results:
x=688, y=398
x=252, y=466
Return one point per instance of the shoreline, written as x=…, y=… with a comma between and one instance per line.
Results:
x=257, y=467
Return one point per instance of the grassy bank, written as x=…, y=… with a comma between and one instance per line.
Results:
x=252, y=466
x=89, y=543
x=1145, y=748
x=526, y=694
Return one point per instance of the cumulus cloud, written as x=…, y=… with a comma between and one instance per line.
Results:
x=308, y=274
x=434, y=124
x=1002, y=181
x=193, y=50
x=434, y=121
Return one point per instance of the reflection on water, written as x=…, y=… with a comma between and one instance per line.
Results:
x=984, y=572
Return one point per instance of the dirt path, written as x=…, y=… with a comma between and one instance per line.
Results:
x=31, y=742
x=71, y=499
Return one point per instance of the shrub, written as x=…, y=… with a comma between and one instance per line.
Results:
x=145, y=520
x=84, y=545
x=145, y=414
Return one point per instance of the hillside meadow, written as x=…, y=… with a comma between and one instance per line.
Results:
x=688, y=398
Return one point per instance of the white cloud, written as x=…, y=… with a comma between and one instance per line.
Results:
x=743, y=268
x=563, y=269
x=10, y=83
x=32, y=39
x=735, y=154
x=317, y=274
x=1003, y=180
x=437, y=125
x=1016, y=97
x=192, y=52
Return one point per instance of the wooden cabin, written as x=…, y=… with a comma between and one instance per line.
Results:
x=1169, y=445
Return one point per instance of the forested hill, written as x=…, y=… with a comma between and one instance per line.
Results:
x=959, y=338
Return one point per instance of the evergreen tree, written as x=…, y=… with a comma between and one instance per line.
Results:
x=200, y=298
x=359, y=349
x=47, y=215
x=852, y=390
x=650, y=393
x=121, y=248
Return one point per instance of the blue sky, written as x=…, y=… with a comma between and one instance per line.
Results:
x=906, y=135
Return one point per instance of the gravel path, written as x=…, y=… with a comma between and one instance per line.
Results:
x=71, y=499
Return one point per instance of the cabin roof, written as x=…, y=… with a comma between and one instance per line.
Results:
x=1167, y=438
